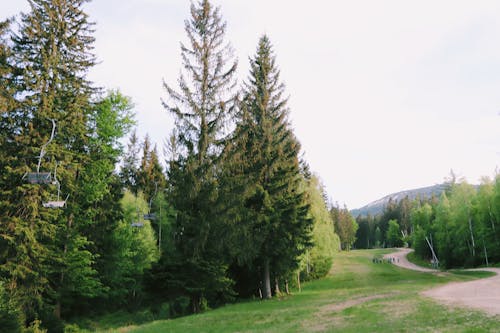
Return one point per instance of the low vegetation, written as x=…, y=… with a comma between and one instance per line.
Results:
x=357, y=296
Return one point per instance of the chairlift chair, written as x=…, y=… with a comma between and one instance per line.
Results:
x=137, y=223
x=42, y=177
x=38, y=177
x=56, y=203
x=150, y=216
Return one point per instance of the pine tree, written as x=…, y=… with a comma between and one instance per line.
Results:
x=266, y=166
x=130, y=169
x=150, y=176
x=201, y=110
x=49, y=262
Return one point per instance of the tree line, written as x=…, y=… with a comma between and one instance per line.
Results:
x=460, y=228
x=235, y=213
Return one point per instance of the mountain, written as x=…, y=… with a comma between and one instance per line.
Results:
x=377, y=207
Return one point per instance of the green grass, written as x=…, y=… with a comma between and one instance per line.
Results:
x=358, y=296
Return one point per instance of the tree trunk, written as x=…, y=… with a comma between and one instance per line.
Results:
x=267, y=280
x=472, y=238
x=277, y=287
x=286, y=288
x=195, y=303
x=57, y=310
x=492, y=221
x=485, y=254
x=298, y=281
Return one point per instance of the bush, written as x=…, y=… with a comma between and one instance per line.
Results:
x=50, y=321
x=72, y=328
x=11, y=317
x=179, y=306
x=164, y=311
x=35, y=327
x=321, y=267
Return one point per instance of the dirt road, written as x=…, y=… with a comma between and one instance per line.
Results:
x=483, y=294
x=400, y=260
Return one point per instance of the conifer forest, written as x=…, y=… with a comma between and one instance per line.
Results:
x=95, y=219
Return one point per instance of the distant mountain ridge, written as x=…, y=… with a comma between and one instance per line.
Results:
x=376, y=207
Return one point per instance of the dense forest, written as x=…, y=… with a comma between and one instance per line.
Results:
x=90, y=225
x=95, y=219
x=460, y=228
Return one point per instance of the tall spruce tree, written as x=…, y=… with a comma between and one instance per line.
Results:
x=266, y=165
x=130, y=164
x=150, y=176
x=48, y=258
x=201, y=108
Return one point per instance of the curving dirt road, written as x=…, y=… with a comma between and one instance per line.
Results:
x=483, y=294
x=401, y=261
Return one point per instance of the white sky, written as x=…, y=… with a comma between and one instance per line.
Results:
x=384, y=95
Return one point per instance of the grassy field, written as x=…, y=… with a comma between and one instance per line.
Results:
x=358, y=296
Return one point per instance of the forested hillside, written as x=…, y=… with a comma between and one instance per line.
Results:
x=458, y=228
x=88, y=226
x=377, y=207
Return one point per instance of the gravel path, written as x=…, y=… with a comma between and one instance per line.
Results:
x=483, y=294
x=401, y=261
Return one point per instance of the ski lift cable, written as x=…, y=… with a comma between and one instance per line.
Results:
x=42, y=151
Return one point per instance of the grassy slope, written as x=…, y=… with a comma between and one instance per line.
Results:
x=358, y=296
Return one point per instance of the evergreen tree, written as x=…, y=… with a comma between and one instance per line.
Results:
x=201, y=109
x=129, y=171
x=275, y=215
x=150, y=177
x=48, y=257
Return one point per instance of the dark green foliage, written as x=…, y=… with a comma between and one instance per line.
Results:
x=233, y=215
x=198, y=268
x=365, y=236
x=273, y=221
x=52, y=55
x=11, y=316
x=52, y=259
x=129, y=171
x=150, y=176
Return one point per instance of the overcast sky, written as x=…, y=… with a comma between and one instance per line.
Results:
x=384, y=95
